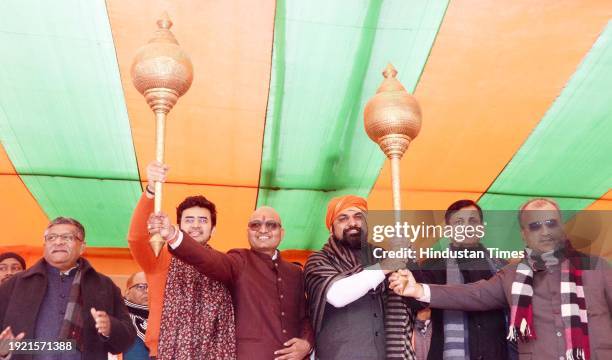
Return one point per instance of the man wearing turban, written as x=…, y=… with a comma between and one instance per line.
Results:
x=350, y=306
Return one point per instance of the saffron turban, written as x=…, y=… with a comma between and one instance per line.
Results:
x=341, y=203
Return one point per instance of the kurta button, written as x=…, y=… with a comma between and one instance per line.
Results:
x=282, y=313
x=559, y=333
x=279, y=279
x=284, y=331
x=375, y=315
x=376, y=333
x=282, y=296
x=276, y=264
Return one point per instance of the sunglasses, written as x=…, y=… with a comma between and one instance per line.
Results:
x=270, y=225
x=537, y=225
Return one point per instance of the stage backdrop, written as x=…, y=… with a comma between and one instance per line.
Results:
x=515, y=99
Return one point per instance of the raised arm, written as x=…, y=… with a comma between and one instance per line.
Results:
x=138, y=236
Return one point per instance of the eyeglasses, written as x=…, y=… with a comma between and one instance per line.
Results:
x=270, y=225
x=537, y=225
x=141, y=287
x=68, y=237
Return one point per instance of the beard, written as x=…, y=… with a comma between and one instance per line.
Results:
x=352, y=240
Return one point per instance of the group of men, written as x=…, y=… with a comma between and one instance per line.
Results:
x=194, y=302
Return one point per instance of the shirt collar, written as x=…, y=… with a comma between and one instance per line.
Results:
x=67, y=272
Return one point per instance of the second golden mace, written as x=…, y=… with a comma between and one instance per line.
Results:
x=392, y=119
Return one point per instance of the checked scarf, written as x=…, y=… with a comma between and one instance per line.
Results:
x=573, y=304
x=336, y=261
x=72, y=325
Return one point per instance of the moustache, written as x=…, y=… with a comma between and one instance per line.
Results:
x=346, y=231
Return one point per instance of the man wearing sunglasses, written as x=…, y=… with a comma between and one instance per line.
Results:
x=560, y=300
x=62, y=297
x=268, y=292
x=136, y=297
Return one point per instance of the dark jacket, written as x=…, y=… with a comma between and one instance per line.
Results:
x=268, y=295
x=22, y=295
x=486, y=329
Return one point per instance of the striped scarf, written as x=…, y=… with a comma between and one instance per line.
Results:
x=335, y=261
x=72, y=325
x=573, y=304
x=139, y=315
x=399, y=326
x=455, y=329
x=454, y=321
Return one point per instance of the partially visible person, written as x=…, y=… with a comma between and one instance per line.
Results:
x=421, y=338
x=560, y=299
x=196, y=310
x=459, y=334
x=136, y=297
x=62, y=297
x=10, y=264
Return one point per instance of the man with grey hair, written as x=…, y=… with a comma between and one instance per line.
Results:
x=556, y=292
x=62, y=297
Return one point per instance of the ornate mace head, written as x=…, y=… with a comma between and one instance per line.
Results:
x=392, y=117
x=161, y=70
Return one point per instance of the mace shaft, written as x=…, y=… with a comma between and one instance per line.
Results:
x=160, y=130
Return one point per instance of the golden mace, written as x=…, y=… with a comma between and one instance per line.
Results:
x=161, y=72
x=392, y=119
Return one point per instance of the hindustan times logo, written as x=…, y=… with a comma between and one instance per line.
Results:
x=411, y=231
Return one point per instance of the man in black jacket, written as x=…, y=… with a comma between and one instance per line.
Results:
x=458, y=334
x=62, y=297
